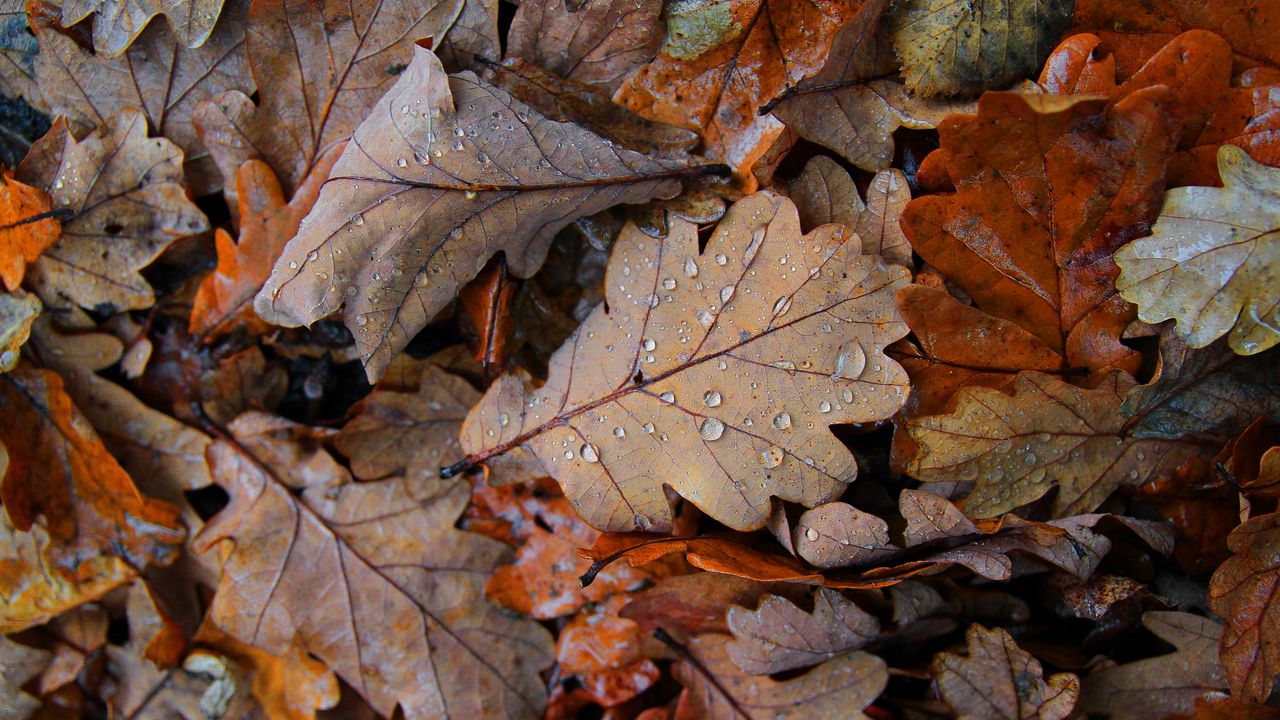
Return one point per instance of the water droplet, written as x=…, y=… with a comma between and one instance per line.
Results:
x=711, y=429
x=711, y=399
x=667, y=397
x=648, y=344
x=824, y=407
x=781, y=307
x=846, y=394
x=401, y=162
x=420, y=280
x=771, y=457
x=421, y=158
x=648, y=427
x=357, y=219
x=851, y=361
x=619, y=432
x=470, y=194
x=313, y=256
x=293, y=265
x=503, y=419
x=589, y=453
x=726, y=293
x=1030, y=458
x=362, y=320
x=705, y=319
x=669, y=283
x=783, y=365
x=782, y=420
x=568, y=454
x=811, y=534
x=690, y=267
x=721, y=259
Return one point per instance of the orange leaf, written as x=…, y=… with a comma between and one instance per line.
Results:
x=1245, y=590
x=27, y=228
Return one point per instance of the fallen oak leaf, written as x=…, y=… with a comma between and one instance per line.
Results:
x=19, y=664
x=118, y=24
x=18, y=50
x=450, y=194
x=824, y=193
x=225, y=298
x=1244, y=590
x=779, y=636
x=1165, y=685
x=998, y=679
x=1017, y=447
x=1212, y=261
x=116, y=184
x=18, y=310
x=596, y=43
x=408, y=624
x=288, y=687
x=28, y=226
x=726, y=389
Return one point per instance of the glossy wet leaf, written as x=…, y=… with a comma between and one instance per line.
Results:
x=1165, y=685
x=721, y=62
x=116, y=184
x=950, y=48
x=27, y=228
x=1212, y=262
x=403, y=620
x=1244, y=591
x=779, y=636
x=998, y=679
x=716, y=372
x=117, y=24
x=319, y=68
x=158, y=75
x=447, y=173
x=598, y=42
x=1044, y=434
x=837, y=688
x=825, y=193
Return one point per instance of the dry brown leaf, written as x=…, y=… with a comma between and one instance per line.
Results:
x=18, y=664
x=439, y=192
x=371, y=578
x=1165, y=685
x=598, y=42
x=715, y=372
x=207, y=685
x=717, y=690
x=1036, y=252
x=837, y=534
x=952, y=48
x=126, y=202
x=60, y=470
x=721, y=62
x=824, y=193
x=686, y=605
x=119, y=23
x=225, y=298
x=319, y=68
x=1244, y=590
x=18, y=51
x=1207, y=390
x=779, y=636
x=18, y=310
x=157, y=74
x=1212, y=262
x=998, y=679
x=27, y=228
x=1017, y=447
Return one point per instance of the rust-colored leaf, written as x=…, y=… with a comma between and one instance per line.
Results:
x=597, y=42
x=1036, y=250
x=1161, y=686
x=59, y=470
x=779, y=636
x=715, y=372
x=319, y=67
x=126, y=202
x=1244, y=591
x=27, y=228
x=225, y=298
x=824, y=193
x=289, y=687
x=717, y=690
x=1017, y=447
x=1212, y=262
x=442, y=190
x=486, y=301
x=998, y=679
x=721, y=62
x=398, y=609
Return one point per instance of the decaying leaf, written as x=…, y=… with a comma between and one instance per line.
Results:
x=18, y=51
x=998, y=679
x=437, y=192
x=319, y=68
x=27, y=228
x=1017, y=447
x=18, y=310
x=371, y=578
x=157, y=75
x=1244, y=590
x=718, y=690
x=18, y=664
x=721, y=62
x=1025, y=235
x=126, y=202
x=117, y=24
x=597, y=43
x=779, y=636
x=1161, y=686
x=59, y=470
x=824, y=193
x=290, y=687
x=951, y=48
x=1212, y=262
x=225, y=298
x=714, y=372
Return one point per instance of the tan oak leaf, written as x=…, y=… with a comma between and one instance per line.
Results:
x=998, y=679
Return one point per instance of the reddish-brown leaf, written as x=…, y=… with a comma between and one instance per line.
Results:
x=1246, y=591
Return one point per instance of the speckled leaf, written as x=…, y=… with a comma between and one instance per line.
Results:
x=779, y=636
x=715, y=372
x=999, y=680
x=596, y=42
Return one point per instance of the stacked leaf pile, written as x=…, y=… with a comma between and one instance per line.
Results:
x=640, y=360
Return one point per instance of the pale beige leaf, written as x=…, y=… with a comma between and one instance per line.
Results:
x=1212, y=262
x=1045, y=434
x=18, y=310
x=120, y=22
x=825, y=193
x=424, y=195
x=716, y=372
x=779, y=636
x=18, y=664
x=998, y=679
